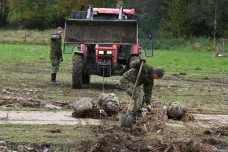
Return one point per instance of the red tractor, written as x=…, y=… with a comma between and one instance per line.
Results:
x=103, y=43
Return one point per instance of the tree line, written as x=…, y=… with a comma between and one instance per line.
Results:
x=169, y=18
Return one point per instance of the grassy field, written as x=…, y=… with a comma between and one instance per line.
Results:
x=196, y=78
x=189, y=62
x=25, y=36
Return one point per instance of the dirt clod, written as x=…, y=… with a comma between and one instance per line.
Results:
x=176, y=110
x=55, y=130
x=207, y=132
x=110, y=103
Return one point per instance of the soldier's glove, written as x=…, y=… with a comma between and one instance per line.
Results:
x=143, y=60
x=61, y=59
x=148, y=107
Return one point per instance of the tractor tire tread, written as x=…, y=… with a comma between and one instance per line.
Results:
x=77, y=68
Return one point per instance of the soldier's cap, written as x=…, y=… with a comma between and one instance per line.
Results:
x=159, y=71
x=59, y=29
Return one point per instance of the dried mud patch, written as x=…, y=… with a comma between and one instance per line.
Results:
x=14, y=102
x=220, y=131
x=9, y=101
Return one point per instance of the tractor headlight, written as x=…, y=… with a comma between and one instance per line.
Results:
x=109, y=52
x=101, y=52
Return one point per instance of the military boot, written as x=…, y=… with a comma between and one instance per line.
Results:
x=53, y=79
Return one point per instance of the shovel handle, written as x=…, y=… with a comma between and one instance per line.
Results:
x=136, y=83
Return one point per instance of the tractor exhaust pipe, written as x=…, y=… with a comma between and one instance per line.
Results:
x=120, y=17
x=89, y=13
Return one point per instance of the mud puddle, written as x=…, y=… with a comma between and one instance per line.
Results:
x=65, y=118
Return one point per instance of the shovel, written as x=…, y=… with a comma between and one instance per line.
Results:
x=127, y=120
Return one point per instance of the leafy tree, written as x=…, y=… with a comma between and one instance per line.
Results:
x=207, y=16
x=152, y=15
x=120, y=3
x=175, y=18
x=20, y=7
x=175, y=22
x=104, y=3
x=4, y=11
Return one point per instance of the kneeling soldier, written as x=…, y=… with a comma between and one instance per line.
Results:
x=142, y=94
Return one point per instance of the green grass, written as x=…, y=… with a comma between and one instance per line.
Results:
x=199, y=43
x=43, y=133
x=191, y=62
x=25, y=36
x=23, y=56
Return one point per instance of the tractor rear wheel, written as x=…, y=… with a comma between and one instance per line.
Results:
x=85, y=78
x=77, y=69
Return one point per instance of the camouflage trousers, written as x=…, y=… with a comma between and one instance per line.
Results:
x=55, y=64
x=128, y=86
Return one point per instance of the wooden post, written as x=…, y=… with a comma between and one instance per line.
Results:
x=25, y=36
x=217, y=51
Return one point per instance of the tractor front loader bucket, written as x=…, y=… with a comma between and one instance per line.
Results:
x=101, y=31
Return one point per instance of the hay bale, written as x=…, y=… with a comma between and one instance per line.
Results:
x=110, y=103
x=176, y=110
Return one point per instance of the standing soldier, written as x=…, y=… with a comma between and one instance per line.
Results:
x=142, y=94
x=56, y=54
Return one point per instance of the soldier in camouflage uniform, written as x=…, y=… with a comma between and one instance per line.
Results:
x=56, y=54
x=142, y=94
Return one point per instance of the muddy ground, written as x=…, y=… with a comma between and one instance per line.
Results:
x=26, y=89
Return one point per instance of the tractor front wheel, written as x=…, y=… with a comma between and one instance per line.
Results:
x=77, y=70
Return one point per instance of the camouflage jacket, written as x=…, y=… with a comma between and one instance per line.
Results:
x=55, y=47
x=146, y=77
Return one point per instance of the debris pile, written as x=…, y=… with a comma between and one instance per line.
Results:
x=85, y=107
x=110, y=103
